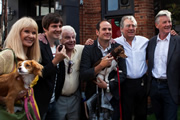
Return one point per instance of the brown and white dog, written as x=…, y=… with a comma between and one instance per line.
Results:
x=13, y=83
x=115, y=53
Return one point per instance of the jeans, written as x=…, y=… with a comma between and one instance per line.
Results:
x=162, y=103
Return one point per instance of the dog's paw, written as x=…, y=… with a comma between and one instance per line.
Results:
x=112, y=79
x=120, y=71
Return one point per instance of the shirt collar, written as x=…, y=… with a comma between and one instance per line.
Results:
x=73, y=53
x=126, y=40
x=101, y=48
x=167, y=37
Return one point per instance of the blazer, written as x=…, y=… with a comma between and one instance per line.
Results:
x=91, y=54
x=173, y=65
x=43, y=90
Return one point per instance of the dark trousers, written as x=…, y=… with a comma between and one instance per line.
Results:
x=116, y=112
x=134, y=99
x=162, y=103
x=49, y=114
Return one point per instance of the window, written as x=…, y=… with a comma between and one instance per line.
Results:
x=117, y=7
x=43, y=7
x=112, y=5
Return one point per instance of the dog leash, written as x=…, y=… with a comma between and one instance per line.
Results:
x=119, y=93
x=30, y=97
x=33, y=105
x=120, y=106
x=29, y=117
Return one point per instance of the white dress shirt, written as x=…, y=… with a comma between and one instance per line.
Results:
x=160, y=58
x=136, y=56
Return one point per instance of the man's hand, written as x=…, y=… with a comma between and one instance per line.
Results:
x=112, y=41
x=89, y=41
x=59, y=56
x=101, y=83
x=173, y=32
x=106, y=61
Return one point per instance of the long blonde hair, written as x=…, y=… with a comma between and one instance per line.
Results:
x=14, y=41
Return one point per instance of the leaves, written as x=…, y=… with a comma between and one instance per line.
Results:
x=175, y=10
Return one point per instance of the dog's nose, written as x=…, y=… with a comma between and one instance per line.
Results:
x=19, y=69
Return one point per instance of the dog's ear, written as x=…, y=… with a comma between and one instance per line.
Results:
x=116, y=49
x=19, y=63
x=37, y=68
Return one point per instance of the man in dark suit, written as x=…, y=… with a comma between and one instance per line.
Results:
x=163, y=69
x=88, y=72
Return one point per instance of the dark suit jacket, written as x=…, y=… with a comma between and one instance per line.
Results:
x=173, y=65
x=91, y=54
x=44, y=88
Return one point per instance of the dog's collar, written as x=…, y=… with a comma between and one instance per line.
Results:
x=116, y=59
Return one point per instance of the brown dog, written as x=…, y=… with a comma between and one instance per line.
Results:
x=11, y=84
x=115, y=53
x=103, y=75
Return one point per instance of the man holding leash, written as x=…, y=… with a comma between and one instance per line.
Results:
x=134, y=89
x=91, y=54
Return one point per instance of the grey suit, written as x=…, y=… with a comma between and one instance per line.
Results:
x=172, y=85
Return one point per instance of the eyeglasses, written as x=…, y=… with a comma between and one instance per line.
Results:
x=70, y=63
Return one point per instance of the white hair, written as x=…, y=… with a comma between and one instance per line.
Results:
x=162, y=13
x=130, y=17
x=67, y=28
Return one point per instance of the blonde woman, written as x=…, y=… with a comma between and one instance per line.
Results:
x=22, y=38
x=23, y=41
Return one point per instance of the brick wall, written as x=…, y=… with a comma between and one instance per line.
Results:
x=90, y=14
x=144, y=14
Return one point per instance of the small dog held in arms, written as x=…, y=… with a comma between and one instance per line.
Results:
x=13, y=83
x=115, y=53
x=103, y=75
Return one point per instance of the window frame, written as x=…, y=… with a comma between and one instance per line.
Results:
x=119, y=12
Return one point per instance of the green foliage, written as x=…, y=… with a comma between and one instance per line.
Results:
x=175, y=10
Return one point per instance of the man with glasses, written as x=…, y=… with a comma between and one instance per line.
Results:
x=68, y=103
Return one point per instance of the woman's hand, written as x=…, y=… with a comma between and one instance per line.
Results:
x=21, y=94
